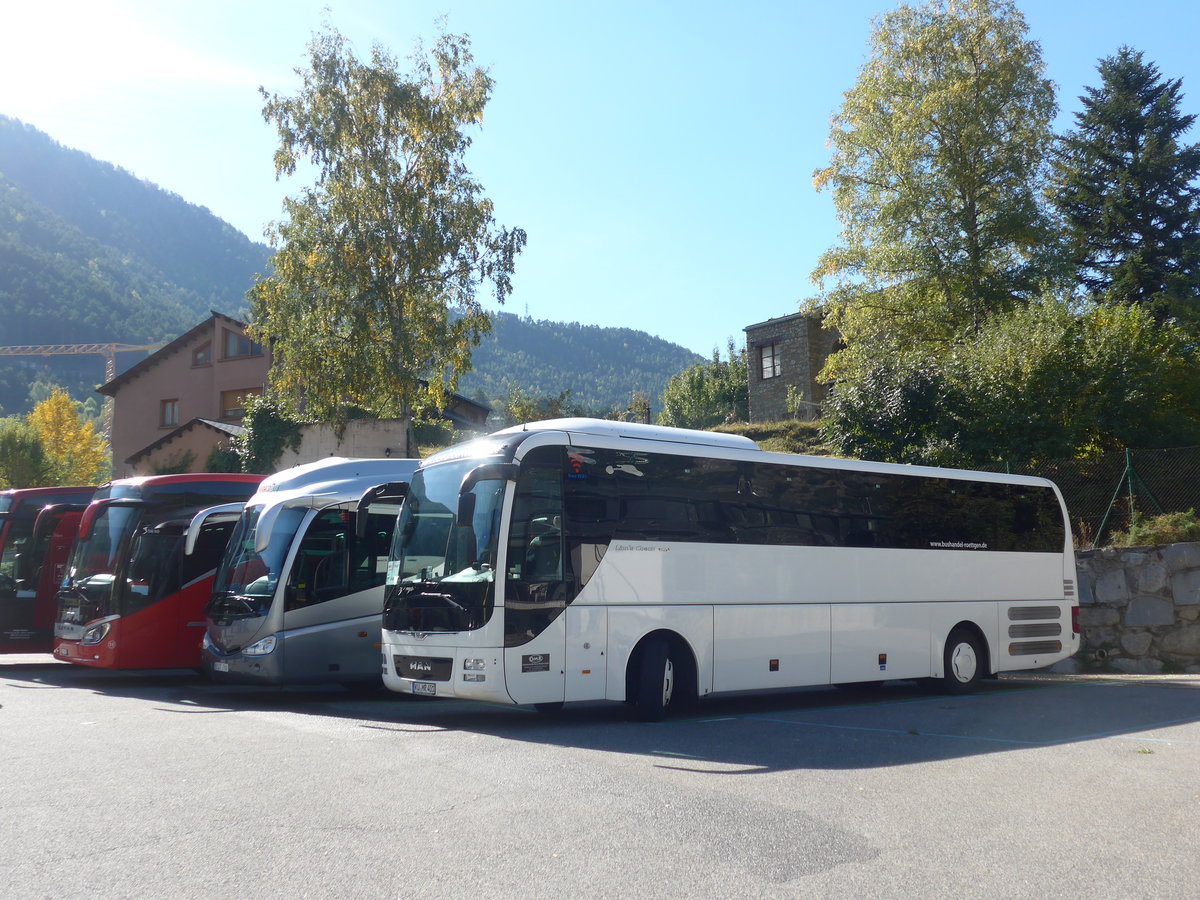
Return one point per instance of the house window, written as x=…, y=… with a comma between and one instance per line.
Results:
x=233, y=402
x=168, y=413
x=769, y=356
x=202, y=355
x=238, y=345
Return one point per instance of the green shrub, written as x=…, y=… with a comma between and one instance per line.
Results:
x=1168, y=528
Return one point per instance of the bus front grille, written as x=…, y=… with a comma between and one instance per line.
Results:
x=424, y=668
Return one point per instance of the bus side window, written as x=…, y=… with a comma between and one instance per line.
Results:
x=319, y=572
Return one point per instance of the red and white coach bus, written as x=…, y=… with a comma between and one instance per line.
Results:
x=131, y=598
x=26, y=584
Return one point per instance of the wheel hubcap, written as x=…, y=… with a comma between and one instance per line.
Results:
x=963, y=662
x=668, y=682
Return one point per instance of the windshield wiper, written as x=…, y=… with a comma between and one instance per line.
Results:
x=229, y=605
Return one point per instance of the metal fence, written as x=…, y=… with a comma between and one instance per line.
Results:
x=1103, y=494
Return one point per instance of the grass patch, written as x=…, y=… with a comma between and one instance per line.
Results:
x=787, y=436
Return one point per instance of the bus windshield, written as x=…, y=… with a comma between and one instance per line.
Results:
x=247, y=579
x=441, y=573
x=95, y=559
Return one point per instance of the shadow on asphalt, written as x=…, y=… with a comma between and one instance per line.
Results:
x=814, y=728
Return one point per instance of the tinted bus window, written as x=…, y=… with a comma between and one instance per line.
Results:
x=640, y=496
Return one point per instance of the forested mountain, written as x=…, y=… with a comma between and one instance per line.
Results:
x=601, y=367
x=91, y=254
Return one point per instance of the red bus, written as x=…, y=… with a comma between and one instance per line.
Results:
x=26, y=626
x=131, y=598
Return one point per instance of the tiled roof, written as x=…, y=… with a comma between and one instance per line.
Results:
x=227, y=429
x=110, y=389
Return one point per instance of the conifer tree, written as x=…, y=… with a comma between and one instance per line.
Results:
x=1125, y=185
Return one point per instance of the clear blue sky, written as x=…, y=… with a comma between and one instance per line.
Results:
x=659, y=154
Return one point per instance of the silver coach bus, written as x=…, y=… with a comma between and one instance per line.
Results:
x=298, y=595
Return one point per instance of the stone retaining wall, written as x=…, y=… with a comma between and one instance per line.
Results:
x=1139, y=609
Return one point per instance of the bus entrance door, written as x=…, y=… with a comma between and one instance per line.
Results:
x=534, y=671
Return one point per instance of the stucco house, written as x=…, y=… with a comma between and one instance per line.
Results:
x=186, y=397
x=178, y=404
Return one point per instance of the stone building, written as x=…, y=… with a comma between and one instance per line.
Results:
x=789, y=351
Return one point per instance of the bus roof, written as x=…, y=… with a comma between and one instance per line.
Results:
x=186, y=477
x=636, y=431
x=14, y=498
x=727, y=445
x=338, y=470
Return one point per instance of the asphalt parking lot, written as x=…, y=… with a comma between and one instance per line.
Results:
x=160, y=783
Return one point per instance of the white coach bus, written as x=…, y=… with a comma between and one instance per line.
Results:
x=578, y=559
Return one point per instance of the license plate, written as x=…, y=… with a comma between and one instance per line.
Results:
x=220, y=667
x=425, y=687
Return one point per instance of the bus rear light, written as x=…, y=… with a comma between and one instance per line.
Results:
x=1075, y=619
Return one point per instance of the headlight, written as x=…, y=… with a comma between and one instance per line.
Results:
x=260, y=648
x=96, y=633
x=473, y=665
x=206, y=642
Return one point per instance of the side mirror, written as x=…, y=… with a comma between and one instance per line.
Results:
x=466, y=509
x=392, y=492
x=226, y=512
x=488, y=472
x=97, y=508
x=49, y=517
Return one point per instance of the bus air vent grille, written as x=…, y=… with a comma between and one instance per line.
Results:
x=1024, y=613
x=1034, y=648
x=1047, y=629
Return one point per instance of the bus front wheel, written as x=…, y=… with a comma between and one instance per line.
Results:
x=963, y=661
x=655, y=684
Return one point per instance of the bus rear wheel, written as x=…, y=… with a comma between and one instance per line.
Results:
x=655, y=684
x=963, y=662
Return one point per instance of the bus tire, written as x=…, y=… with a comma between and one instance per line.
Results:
x=963, y=661
x=655, y=684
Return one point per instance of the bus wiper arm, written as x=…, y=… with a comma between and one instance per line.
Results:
x=226, y=605
x=448, y=599
x=80, y=593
